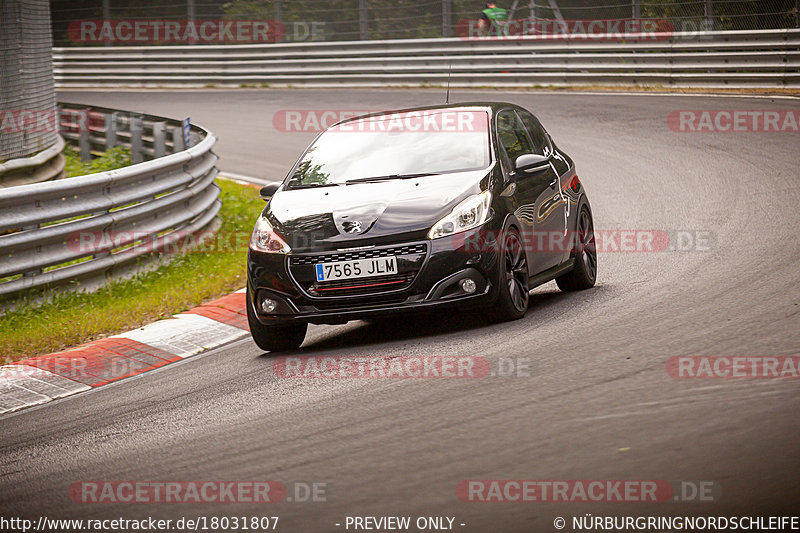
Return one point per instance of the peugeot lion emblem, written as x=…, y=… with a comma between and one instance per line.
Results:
x=352, y=226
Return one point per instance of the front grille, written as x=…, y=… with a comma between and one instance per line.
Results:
x=358, y=254
x=410, y=259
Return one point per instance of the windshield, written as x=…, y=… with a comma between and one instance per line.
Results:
x=394, y=146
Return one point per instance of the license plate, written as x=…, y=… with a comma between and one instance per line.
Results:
x=357, y=268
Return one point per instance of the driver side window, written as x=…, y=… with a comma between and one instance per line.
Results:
x=537, y=133
x=511, y=134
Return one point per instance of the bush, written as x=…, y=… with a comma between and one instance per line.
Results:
x=117, y=157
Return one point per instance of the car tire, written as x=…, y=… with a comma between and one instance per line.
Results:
x=275, y=338
x=584, y=275
x=513, y=278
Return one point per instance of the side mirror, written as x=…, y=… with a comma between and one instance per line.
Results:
x=531, y=163
x=267, y=191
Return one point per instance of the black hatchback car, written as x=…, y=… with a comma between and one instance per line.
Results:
x=463, y=205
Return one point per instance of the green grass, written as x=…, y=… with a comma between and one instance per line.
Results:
x=69, y=319
x=114, y=158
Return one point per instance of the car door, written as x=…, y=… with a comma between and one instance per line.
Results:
x=536, y=199
x=559, y=202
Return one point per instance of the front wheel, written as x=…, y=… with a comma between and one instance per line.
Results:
x=512, y=302
x=275, y=338
x=584, y=274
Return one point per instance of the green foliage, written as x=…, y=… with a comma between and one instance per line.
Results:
x=117, y=157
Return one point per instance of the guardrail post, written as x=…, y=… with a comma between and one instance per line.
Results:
x=446, y=18
x=111, y=130
x=362, y=19
x=190, y=16
x=159, y=139
x=36, y=271
x=84, y=145
x=636, y=9
x=177, y=139
x=106, y=16
x=136, y=140
x=708, y=13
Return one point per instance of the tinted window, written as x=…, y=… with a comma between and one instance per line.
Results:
x=536, y=131
x=512, y=136
x=408, y=143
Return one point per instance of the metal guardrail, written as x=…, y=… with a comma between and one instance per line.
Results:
x=125, y=214
x=44, y=166
x=764, y=58
x=95, y=129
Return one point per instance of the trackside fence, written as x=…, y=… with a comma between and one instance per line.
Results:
x=738, y=59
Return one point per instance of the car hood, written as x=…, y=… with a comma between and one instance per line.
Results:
x=368, y=213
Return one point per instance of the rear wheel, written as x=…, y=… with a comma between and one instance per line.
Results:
x=275, y=338
x=584, y=274
x=512, y=302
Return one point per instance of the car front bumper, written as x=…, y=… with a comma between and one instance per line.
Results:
x=430, y=278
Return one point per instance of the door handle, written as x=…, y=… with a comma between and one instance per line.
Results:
x=553, y=183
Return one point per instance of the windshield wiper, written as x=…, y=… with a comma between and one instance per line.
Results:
x=390, y=177
x=310, y=185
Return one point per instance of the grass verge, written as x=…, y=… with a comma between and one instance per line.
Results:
x=112, y=159
x=69, y=319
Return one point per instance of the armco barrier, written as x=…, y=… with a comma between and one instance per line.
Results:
x=766, y=58
x=41, y=224
x=44, y=166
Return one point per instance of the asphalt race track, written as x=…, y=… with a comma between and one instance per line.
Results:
x=598, y=403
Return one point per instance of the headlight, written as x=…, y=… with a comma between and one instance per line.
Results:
x=265, y=239
x=469, y=214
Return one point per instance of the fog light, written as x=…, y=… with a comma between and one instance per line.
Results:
x=268, y=305
x=468, y=286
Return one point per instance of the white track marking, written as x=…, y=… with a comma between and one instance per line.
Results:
x=25, y=386
x=185, y=335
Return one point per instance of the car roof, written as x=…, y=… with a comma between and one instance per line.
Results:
x=491, y=107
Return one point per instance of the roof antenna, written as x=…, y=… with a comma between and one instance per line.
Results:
x=447, y=98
